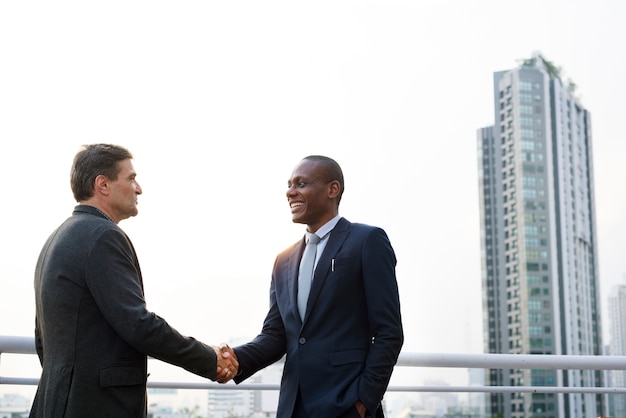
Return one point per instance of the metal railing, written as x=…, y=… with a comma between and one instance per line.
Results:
x=26, y=345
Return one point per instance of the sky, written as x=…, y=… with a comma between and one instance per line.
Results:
x=218, y=101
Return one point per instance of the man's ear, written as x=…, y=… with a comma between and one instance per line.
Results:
x=333, y=189
x=102, y=184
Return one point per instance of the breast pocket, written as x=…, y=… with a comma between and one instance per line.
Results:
x=341, y=263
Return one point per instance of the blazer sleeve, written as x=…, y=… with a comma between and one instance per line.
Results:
x=383, y=308
x=114, y=280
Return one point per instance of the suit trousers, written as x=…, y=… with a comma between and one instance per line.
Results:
x=300, y=412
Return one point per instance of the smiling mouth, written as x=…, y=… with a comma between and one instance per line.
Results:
x=296, y=205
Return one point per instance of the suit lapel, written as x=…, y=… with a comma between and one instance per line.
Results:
x=335, y=241
x=293, y=267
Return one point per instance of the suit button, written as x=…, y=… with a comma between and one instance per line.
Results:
x=302, y=340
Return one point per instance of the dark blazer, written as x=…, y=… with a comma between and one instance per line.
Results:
x=93, y=332
x=349, y=342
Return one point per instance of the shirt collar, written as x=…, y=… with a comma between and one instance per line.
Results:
x=325, y=229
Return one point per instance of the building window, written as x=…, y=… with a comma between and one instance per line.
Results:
x=525, y=86
x=530, y=193
x=532, y=242
x=532, y=279
x=525, y=109
x=530, y=230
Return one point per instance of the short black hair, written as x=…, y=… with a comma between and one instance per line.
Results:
x=332, y=171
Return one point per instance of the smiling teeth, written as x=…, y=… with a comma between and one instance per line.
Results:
x=296, y=205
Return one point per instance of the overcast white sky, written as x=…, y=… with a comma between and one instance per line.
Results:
x=219, y=100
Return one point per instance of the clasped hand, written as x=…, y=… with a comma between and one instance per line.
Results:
x=227, y=364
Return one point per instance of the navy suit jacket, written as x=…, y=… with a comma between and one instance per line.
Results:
x=93, y=332
x=351, y=336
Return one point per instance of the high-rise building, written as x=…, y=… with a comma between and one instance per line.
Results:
x=538, y=241
x=617, y=347
x=248, y=403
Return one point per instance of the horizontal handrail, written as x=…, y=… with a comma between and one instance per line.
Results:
x=429, y=389
x=17, y=345
x=26, y=345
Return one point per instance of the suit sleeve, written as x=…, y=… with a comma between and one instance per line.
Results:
x=383, y=308
x=114, y=280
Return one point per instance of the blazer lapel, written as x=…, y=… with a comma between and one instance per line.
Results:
x=335, y=241
x=292, y=273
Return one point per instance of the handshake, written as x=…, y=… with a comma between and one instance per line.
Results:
x=227, y=363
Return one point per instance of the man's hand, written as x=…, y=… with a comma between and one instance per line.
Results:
x=227, y=364
x=361, y=408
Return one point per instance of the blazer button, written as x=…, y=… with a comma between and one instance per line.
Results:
x=302, y=340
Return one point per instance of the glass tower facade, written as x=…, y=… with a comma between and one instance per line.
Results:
x=538, y=240
x=617, y=347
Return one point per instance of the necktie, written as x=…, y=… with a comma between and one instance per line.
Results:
x=306, y=272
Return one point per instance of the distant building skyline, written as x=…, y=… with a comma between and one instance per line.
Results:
x=617, y=346
x=538, y=241
x=244, y=402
